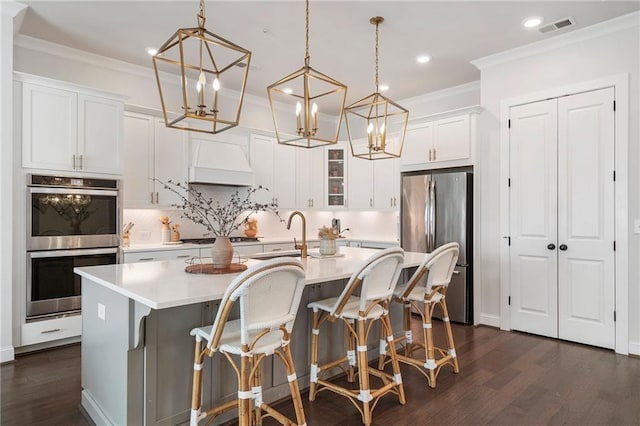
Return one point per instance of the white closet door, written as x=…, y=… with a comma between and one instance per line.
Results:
x=586, y=218
x=533, y=205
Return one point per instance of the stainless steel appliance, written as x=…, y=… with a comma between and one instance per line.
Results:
x=437, y=208
x=66, y=213
x=70, y=222
x=53, y=288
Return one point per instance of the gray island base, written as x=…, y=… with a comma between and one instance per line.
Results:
x=137, y=353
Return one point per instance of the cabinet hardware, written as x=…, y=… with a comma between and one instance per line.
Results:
x=551, y=246
x=144, y=259
x=53, y=330
x=157, y=202
x=429, y=154
x=276, y=249
x=370, y=202
x=81, y=161
x=73, y=157
x=182, y=256
x=151, y=193
x=434, y=154
x=563, y=247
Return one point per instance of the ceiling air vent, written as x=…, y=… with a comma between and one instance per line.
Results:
x=558, y=25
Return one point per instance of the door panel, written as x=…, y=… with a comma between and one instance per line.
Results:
x=533, y=220
x=586, y=218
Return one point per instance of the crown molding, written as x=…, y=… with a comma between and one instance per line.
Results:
x=12, y=8
x=600, y=29
x=442, y=94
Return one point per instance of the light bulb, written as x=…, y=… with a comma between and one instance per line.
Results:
x=382, y=129
x=298, y=109
x=216, y=84
x=370, y=128
x=314, y=109
x=202, y=80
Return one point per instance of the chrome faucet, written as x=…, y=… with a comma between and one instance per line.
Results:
x=302, y=247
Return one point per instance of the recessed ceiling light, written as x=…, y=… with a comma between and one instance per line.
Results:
x=152, y=51
x=383, y=87
x=423, y=59
x=288, y=91
x=532, y=21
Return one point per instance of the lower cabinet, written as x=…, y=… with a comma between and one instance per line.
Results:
x=48, y=330
x=151, y=256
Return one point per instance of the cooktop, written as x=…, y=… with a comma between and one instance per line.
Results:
x=211, y=240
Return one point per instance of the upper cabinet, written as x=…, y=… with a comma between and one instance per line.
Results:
x=336, y=176
x=68, y=128
x=310, y=178
x=442, y=140
x=274, y=167
x=373, y=184
x=152, y=152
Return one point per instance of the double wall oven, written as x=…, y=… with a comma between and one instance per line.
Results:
x=70, y=222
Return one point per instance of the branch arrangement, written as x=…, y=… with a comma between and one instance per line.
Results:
x=219, y=219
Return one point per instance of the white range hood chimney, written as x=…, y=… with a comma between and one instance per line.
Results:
x=219, y=163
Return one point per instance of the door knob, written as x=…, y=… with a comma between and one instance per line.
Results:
x=563, y=247
x=551, y=246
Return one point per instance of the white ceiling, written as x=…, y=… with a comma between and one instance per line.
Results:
x=341, y=37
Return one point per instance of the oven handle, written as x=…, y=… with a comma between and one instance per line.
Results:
x=61, y=253
x=40, y=190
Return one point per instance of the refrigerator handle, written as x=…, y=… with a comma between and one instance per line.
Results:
x=432, y=215
x=427, y=218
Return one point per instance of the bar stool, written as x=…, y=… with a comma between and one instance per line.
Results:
x=268, y=294
x=375, y=280
x=438, y=267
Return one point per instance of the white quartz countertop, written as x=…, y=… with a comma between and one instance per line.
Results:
x=165, y=284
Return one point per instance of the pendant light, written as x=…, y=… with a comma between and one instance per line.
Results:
x=376, y=125
x=305, y=103
x=212, y=74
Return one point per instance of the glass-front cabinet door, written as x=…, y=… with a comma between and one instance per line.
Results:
x=336, y=171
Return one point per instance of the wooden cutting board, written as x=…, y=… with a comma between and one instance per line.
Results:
x=207, y=268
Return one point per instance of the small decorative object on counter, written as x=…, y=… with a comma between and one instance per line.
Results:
x=327, y=240
x=126, y=240
x=165, y=235
x=175, y=235
x=251, y=227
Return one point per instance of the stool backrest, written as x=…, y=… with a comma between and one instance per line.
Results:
x=377, y=278
x=438, y=267
x=269, y=294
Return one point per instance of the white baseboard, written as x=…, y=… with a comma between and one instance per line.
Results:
x=7, y=354
x=634, y=348
x=490, y=320
x=93, y=409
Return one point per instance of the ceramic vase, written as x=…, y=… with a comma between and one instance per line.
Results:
x=327, y=247
x=222, y=252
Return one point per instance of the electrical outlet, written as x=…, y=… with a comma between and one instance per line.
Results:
x=145, y=235
x=102, y=311
x=636, y=226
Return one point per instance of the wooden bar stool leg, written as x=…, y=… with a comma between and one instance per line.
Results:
x=196, y=392
x=397, y=376
x=293, y=385
x=447, y=326
x=383, y=347
x=256, y=390
x=244, y=389
x=315, y=335
x=408, y=334
x=363, y=371
x=430, y=352
x=351, y=354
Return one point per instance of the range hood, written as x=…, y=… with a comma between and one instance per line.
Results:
x=219, y=163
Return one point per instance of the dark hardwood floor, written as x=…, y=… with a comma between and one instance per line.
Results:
x=506, y=378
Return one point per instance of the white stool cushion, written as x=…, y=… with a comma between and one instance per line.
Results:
x=417, y=295
x=230, y=341
x=351, y=308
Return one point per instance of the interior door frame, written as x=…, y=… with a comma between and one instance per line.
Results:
x=620, y=83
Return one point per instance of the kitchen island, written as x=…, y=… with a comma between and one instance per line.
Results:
x=137, y=352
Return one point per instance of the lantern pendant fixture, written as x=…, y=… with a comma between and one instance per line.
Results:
x=207, y=66
x=376, y=125
x=307, y=93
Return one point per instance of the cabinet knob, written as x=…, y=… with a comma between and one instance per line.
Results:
x=563, y=247
x=551, y=246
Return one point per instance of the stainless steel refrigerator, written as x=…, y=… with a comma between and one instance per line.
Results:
x=437, y=208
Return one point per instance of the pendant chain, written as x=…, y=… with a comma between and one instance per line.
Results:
x=306, y=54
x=377, y=57
x=201, y=15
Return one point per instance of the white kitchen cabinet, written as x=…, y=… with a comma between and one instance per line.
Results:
x=247, y=249
x=151, y=256
x=360, y=182
x=279, y=247
x=386, y=184
x=274, y=167
x=310, y=178
x=152, y=151
x=373, y=183
x=446, y=139
x=49, y=330
x=67, y=128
